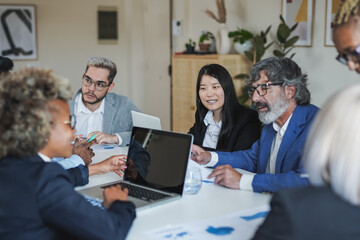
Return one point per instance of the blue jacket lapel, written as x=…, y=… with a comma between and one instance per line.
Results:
x=109, y=113
x=292, y=132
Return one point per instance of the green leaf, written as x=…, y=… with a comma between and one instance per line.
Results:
x=277, y=53
x=280, y=38
x=284, y=31
x=267, y=30
x=292, y=55
x=288, y=51
x=233, y=34
x=291, y=41
x=282, y=19
x=294, y=27
x=246, y=34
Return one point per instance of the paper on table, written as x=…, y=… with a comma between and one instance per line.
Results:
x=205, y=172
x=240, y=225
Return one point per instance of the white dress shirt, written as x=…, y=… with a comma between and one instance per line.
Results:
x=44, y=157
x=212, y=131
x=87, y=121
x=247, y=179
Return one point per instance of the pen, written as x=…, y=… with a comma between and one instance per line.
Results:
x=207, y=181
x=92, y=138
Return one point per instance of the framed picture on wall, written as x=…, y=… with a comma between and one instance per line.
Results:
x=107, y=24
x=301, y=12
x=331, y=7
x=18, y=32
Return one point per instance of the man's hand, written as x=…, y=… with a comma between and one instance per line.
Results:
x=112, y=164
x=114, y=193
x=226, y=176
x=199, y=155
x=83, y=150
x=103, y=138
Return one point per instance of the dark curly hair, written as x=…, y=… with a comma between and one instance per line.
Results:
x=24, y=114
x=6, y=64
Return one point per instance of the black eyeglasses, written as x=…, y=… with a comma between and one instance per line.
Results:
x=353, y=56
x=99, y=85
x=262, y=91
x=71, y=122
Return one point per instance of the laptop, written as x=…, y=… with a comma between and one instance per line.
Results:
x=156, y=168
x=144, y=120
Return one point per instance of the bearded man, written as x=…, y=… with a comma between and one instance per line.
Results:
x=279, y=91
x=99, y=112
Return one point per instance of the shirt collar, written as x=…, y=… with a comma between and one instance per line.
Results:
x=210, y=120
x=44, y=157
x=281, y=130
x=81, y=108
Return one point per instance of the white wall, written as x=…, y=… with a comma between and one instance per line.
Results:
x=326, y=75
x=67, y=37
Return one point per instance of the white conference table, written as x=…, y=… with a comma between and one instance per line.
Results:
x=211, y=201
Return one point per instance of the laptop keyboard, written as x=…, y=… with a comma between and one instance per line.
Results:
x=143, y=193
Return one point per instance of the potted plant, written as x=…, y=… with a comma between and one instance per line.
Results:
x=205, y=41
x=284, y=44
x=190, y=46
x=242, y=40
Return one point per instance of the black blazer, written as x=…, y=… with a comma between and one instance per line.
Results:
x=311, y=213
x=38, y=201
x=246, y=131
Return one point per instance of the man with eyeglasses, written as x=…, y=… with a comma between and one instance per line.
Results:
x=97, y=111
x=346, y=34
x=280, y=94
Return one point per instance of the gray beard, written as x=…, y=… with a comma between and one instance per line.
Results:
x=275, y=111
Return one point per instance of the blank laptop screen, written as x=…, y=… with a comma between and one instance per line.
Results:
x=158, y=159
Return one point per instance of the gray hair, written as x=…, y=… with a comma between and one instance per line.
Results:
x=105, y=63
x=332, y=149
x=24, y=116
x=286, y=71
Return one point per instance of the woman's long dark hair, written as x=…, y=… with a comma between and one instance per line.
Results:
x=230, y=100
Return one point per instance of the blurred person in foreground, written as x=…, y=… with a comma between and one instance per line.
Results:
x=38, y=200
x=330, y=208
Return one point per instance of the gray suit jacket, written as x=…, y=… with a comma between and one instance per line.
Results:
x=117, y=115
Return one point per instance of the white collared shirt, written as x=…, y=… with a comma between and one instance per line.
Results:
x=270, y=168
x=212, y=131
x=87, y=121
x=44, y=157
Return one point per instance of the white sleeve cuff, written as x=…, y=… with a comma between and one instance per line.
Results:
x=213, y=161
x=246, y=182
x=119, y=138
x=70, y=162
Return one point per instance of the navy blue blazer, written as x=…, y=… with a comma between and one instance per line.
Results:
x=38, y=201
x=246, y=131
x=288, y=162
x=311, y=213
